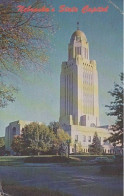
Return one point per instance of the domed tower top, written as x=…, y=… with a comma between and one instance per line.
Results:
x=78, y=45
x=78, y=35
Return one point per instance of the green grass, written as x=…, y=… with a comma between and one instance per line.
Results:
x=11, y=160
x=17, y=190
x=73, y=159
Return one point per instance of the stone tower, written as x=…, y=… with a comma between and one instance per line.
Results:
x=79, y=85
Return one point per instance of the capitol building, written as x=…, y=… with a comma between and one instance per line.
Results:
x=79, y=103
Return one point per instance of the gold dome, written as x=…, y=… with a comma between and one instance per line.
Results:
x=78, y=33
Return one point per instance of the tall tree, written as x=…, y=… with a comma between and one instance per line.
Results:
x=53, y=126
x=24, y=41
x=96, y=147
x=37, y=138
x=2, y=142
x=116, y=109
x=18, y=144
x=61, y=141
x=23, y=34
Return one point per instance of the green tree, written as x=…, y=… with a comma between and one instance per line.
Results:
x=116, y=109
x=24, y=42
x=2, y=145
x=6, y=94
x=96, y=147
x=23, y=35
x=37, y=138
x=60, y=141
x=18, y=144
x=2, y=142
x=53, y=126
x=79, y=147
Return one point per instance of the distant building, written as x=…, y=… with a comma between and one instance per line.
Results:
x=79, y=106
x=14, y=128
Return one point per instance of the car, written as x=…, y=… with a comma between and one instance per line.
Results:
x=102, y=160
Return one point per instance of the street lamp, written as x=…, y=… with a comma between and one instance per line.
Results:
x=68, y=143
x=76, y=145
x=114, y=144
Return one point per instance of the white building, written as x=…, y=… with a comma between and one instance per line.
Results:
x=13, y=129
x=79, y=106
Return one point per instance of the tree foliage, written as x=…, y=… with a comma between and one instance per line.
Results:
x=60, y=142
x=6, y=94
x=96, y=147
x=38, y=138
x=116, y=109
x=17, y=144
x=53, y=126
x=23, y=35
x=24, y=42
x=2, y=142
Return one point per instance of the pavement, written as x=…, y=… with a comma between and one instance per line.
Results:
x=76, y=180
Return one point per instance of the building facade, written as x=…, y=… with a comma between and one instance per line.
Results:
x=79, y=85
x=13, y=129
x=79, y=105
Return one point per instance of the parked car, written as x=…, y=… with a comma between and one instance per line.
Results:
x=102, y=160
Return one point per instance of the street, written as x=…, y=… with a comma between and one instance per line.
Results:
x=78, y=181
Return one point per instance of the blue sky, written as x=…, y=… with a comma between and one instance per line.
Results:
x=38, y=97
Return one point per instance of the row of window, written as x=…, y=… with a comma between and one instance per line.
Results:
x=84, y=138
x=104, y=151
x=78, y=51
x=90, y=140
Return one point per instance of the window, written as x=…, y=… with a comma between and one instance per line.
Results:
x=105, y=142
x=84, y=138
x=76, y=138
x=78, y=38
x=14, y=131
x=89, y=138
x=77, y=50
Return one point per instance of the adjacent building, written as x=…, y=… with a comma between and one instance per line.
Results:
x=13, y=129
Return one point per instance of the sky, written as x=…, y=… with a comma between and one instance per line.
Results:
x=38, y=98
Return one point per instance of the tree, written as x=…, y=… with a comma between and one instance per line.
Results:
x=24, y=41
x=2, y=142
x=116, y=109
x=6, y=94
x=2, y=145
x=35, y=139
x=38, y=138
x=23, y=34
x=79, y=147
x=96, y=147
x=18, y=144
x=61, y=142
x=53, y=126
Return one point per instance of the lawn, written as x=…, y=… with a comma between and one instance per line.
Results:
x=11, y=160
x=17, y=190
x=45, y=179
x=74, y=159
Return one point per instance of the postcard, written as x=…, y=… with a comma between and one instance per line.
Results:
x=61, y=97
